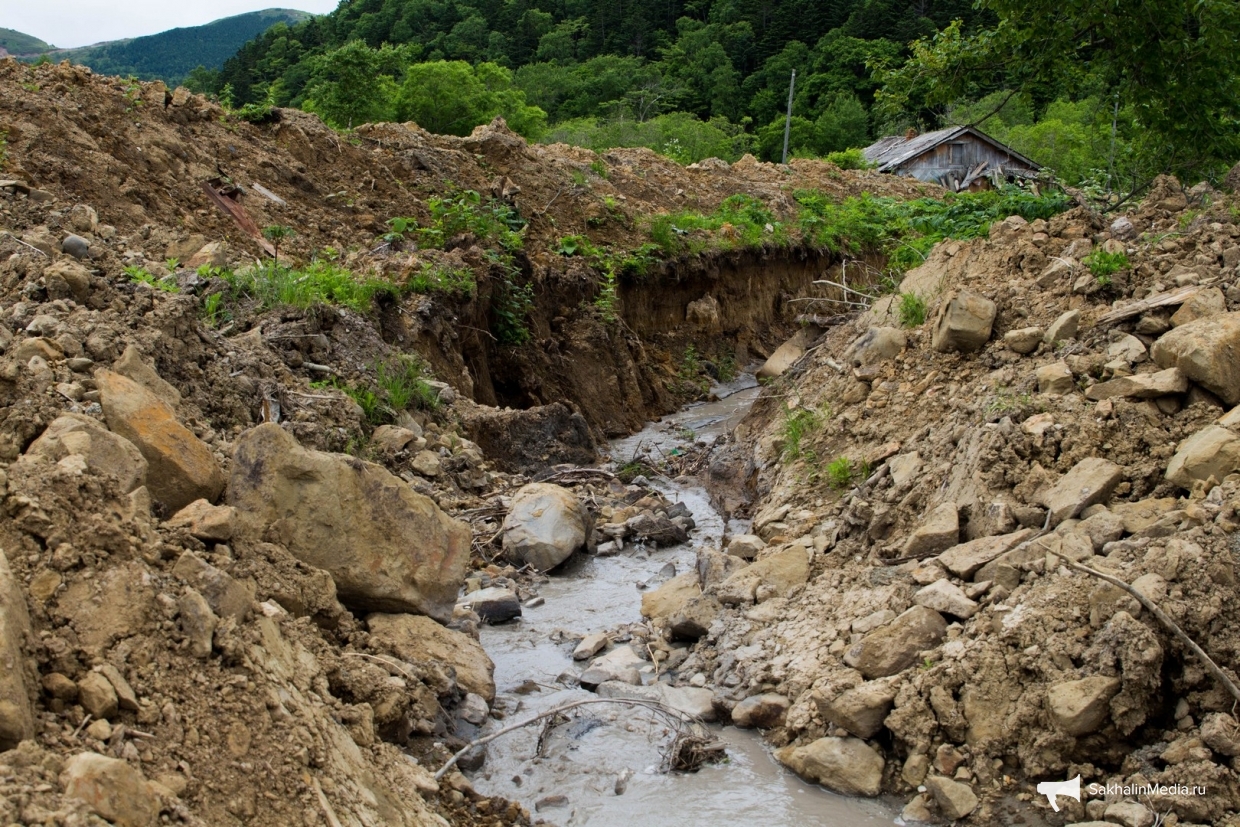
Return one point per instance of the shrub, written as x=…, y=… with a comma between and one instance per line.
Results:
x=402, y=384
x=850, y=159
x=140, y=275
x=840, y=473
x=1104, y=265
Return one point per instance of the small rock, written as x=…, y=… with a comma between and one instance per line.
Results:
x=132, y=366
x=965, y=559
x=206, y=521
x=83, y=218
x=1129, y=814
x=590, y=646
x=97, y=696
x=695, y=617
x=964, y=322
x=946, y=597
x=111, y=788
x=545, y=525
x=898, y=645
x=1055, y=378
x=426, y=463
x=493, y=605
x=100, y=730
x=1129, y=348
x=125, y=696
x=474, y=709
x=60, y=686
x=1081, y=707
x=1220, y=733
x=941, y=530
x=227, y=596
x=876, y=345
x=1063, y=328
x=955, y=800
x=198, y=622
x=1090, y=481
x=671, y=597
x=1122, y=228
x=848, y=766
x=1024, y=340
x=1201, y=305
x=860, y=710
x=764, y=711
x=745, y=546
x=75, y=246
x=1141, y=386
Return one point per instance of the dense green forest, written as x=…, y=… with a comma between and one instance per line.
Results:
x=170, y=56
x=17, y=43
x=1105, y=93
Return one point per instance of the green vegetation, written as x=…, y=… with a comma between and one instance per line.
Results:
x=740, y=221
x=850, y=159
x=275, y=233
x=402, y=384
x=511, y=303
x=4, y=150
x=442, y=278
x=912, y=310
x=140, y=275
x=321, y=282
x=17, y=43
x=1104, y=265
x=213, y=311
x=842, y=472
x=465, y=211
x=798, y=425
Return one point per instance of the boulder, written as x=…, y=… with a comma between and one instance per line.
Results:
x=1128, y=348
x=387, y=547
x=965, y=559
x=111, y=788
x=955, y=800
x=1220, y=733
x=691, y=700
x=939, y=531
x=1214, y=451
x=1092, y=480
x=1063, y=328
x=1141, y=386
x=946, y=597
x=784, y=356
x=876, y=345
x=763, y=711
x=206, y=521
x=745, y=546
x=67, y=279
x=898, y=645
x=493, y=605
x=105, y=452
x=1080, y=707
x=860, y=710
x=545, y=525
x=671, y=597
x=426, y=463
x=1207, y=302
x=1207, y=351
x=964, y=322
x=848, y=766
x=1129, y=814
x=695, y=617
x=774, y=576
x=180, y=467
x=16, y=714
x=131, y=366
x=227, y=596
x=392, y=439
x=1023, y=340
x=704, y=314
x=418, y=639
x=1055, y=378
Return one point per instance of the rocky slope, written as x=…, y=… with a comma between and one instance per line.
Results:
x=907, y=624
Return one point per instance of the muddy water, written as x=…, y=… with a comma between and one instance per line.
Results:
x=601, y=768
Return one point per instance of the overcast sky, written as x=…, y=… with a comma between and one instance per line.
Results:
x=70, y=23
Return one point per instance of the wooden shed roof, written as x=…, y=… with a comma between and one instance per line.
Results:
x=892, y=152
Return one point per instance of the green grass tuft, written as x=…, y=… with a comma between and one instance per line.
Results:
x=912, y=310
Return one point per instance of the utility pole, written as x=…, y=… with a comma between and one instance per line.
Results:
x=788, y=121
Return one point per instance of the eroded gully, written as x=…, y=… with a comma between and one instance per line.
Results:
x=575, y=777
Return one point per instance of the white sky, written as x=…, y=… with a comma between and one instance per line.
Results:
x=70, y=23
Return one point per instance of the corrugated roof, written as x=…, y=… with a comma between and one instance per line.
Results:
x=893, y=151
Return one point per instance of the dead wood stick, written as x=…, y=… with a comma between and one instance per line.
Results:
x=681, y=718
x=1164, y=619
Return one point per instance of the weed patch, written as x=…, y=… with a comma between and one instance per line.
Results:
x=275, y=285
x=912, y=310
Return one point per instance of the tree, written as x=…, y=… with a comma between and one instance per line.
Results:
x=452, y=97
x=844, y=124
x=353, y=85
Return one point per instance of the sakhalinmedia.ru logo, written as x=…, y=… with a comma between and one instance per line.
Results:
x=1100, y=790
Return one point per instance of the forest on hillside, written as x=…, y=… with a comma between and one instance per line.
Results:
x=1105, y=94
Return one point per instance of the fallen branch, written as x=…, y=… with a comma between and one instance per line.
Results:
x=24, y=244
x=677, y=718
x=1163, y=618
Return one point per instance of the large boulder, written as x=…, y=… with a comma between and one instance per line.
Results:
x=848, y=766
x=419, y=639
x=784, y=356
x=1214, y=451
x=897, y=645
x=955, y=800
x=388, y=548
x=180, y=467
x=964, y=322
x=111, y=788
x=1090, y=481
x=939, y=531
x=1141, y=385
x=105, y=452
x=776, y=575
x=672, y=597
x=765, y=711
x=965, y=559
x=16, y=714
x=860, y=710
x=1207, y=351
x=545, y=525
x=876, y=345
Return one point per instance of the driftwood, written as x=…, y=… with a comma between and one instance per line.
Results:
x=1213, y=668
x=1171, y=297
x=692, y=746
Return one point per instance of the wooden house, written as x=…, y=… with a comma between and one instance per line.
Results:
x=958, y=158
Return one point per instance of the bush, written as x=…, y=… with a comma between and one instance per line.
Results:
x=402, y=384
x=841, y=472
x=1104, y=265
x=850, y=159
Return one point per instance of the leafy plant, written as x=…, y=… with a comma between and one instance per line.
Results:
x=799, y=424
x=599, y=168
x=273, y=285
x=465, y=211
x=442, y=278
x=850, y=159
x=912, y=310
x=572, y=245
x=140, y=275
x=841, y=472
x=398, y=228
x=172, y=263
x=728, y=369
x=1104, y=265
x=608, y=299
x=212, y=309
x=510, y=305
x=4, y=150
x=275, y=233
x=402, y=384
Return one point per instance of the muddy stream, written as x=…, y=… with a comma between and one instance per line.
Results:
x=575, y=780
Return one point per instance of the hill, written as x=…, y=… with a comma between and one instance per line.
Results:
x=18, y=43
x=170, y=56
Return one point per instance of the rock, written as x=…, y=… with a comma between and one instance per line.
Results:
x=946, y=597
x=126, y=698
x=848, y=766
x=964, y=322
x=183, y=248
x=671, y=597
x=955, y=800
x=198, y=622
x=1214, y=451
x=917, y=810
x=226, y=596
x=83, y=218
x=180, y=467
x=105, y=452
x=473, y=708
x=131, y=366
x=1207, y=302
x=97, y=695
x=1060, y=269
x=1063, y=328
x=1023, y=340
x=420, y=640
x=211, y=254
x=39, y=346
x=876, y=345
x=590, y=646
x=16, y=713
x=745, y=546
x=655, y=529
x=545, y=525
x=67, y=279
x=762, y=711
x=898, y=645
x=860, y=710
x=1141, y=385
x=1090, y=481
x=1055, y=378
x=774, y=576
x=965, y=559
x=1207, y=351
x=1129, y=814
x=387, y=547
x=704, y=314
x=939, y=531
x=75, y=246
x=690, y=700
x=1129, y=348
x=903, y=468
x=111, y=789
x=493, y=605
x=426, y=463
x=1220, y=733
x=1122, y=228
x=206, y=521
x=784, y=356
x=695, y=617
x=391, y=439
x=1080, y=707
